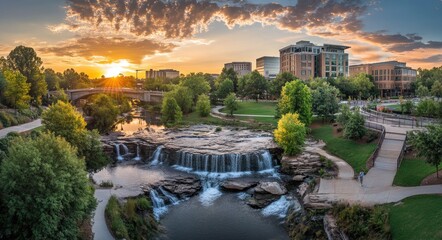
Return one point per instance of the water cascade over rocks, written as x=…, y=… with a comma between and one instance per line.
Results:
x=118, y=147
x=156, y=156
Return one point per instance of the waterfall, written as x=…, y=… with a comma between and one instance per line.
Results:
x=156, y=156
x=160, y=198
x=278, y=208
x=121, y=154
x=125, y=148
x=210, y=192
x=138, y=158
x=117, y=151
x=227, y=163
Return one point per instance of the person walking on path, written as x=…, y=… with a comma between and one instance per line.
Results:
x=361, y=177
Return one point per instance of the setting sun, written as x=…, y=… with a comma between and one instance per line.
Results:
x=115, y=68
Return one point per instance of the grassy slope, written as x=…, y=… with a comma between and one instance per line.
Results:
x=412, y=171
x=354, y=153
x=255, y=108
x=419, y=217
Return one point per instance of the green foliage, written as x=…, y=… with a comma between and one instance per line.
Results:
x=170, y=111
x=7, y=119
x=74, y=80
x=408, y=106
x=104, y=112
x=278, y=83
x=363, y=85
x=255, y=108
x=197, y=84
x=253, y=85
x=412, y=171
x=225, y=88
x=114, y=215
x=63, y=120
x=325, y=101
x=45, y=190
x=429, y=145
x=203, y=105
x=296, y=98
x=344, y=115
x=436, y=89
x=355, y=128
x=183, y=97
x=427, y=108
x=290, y=134
x=25, y=60
x=16, y=90
x=229, y=73
x=52, y=79
x=106, y=184
x=230, y=103
x=360, y=222
x=422, y=91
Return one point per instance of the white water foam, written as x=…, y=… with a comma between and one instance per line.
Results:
x=278, y=208
x=209, y=195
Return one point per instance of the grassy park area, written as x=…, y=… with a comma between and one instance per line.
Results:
x=412, y=171
x=418, y=217
x=255, y=108
x=354, y=153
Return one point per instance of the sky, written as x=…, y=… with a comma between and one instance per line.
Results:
x=108, y=37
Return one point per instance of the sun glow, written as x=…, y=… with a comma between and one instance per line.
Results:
x=115, y=68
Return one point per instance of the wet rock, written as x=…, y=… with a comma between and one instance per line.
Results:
x=182, y=186
x=262, y=200
x=237, y=185
x=302, y=189
x=299, y=178
x=273, y=188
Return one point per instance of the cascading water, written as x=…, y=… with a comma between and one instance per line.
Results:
x=156, y=156
x=118, y=147
x=160, y=199
x=138, y=158
x=125, y=148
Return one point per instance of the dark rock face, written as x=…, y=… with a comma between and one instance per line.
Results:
x=181, y=186
x=238, y=184
x=302, y=164
x=266, y=193
x=273, y=188
x=261, y=200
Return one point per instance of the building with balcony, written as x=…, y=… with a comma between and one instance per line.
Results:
x=306, y=60
x=162, y=74
x=241, y=68
x=268, y=67
x=392, y=78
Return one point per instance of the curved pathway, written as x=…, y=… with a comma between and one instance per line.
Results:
x=99, y=226
x=378, y=182
x=21, y=128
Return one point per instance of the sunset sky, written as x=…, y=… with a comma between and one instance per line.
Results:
x=113, y=36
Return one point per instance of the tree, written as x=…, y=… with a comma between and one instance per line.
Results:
x=422, y=91
x=355, y=126
x=65, y=121
x=230, y=103
x=296, y=98
x=255, y=85
x=104, y=112
x=203, y=105
x=225, y=88
x=197, y=84
x=170, y=110
x=429, y=145
x=16, y=89
x=278, y=83
x=325, y=101
x=25, y=60
x=45, y=190
x=436, y=89
x=52, y=79
x=183, y=97
x=363, y=85
x=344, y=115
x=2, y=86
x=229, y=73
x=408, y=106
x=426, y=108
x=290, y=134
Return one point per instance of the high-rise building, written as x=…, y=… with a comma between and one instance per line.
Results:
x=163, y=74
x=241, y=68
x=268, y=66
x=392, y=78
x=306, y=60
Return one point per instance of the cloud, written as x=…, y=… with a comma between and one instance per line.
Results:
x=430, y=59
x=109, y=49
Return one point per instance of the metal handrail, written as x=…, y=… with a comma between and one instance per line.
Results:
x=374, y=155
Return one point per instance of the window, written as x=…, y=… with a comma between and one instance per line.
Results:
x=327, y=68
x=376, y=72
x=303, y=72
x=333, y=68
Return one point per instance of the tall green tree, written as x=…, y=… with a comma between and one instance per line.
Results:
x=296, y=98
x=45, y=191
x=225, y=88
x=290, y=134
x=429, y=145
x=25, y=60
x=436, y=89
x=229, y=73
x=104, y=112
x=2, y=87
x=52, y=79
x=354, y=128
x=256, y=85
x=170, y=111
x=422, y=91
x=16, y=89
x=65, y=121
x=325, y=101
x=184, y=98
x=278, y=83
x=203, y=105
x=197, y=84
x=363, y=85
x=230, y=103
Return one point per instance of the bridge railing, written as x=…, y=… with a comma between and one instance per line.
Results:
x=380, y=128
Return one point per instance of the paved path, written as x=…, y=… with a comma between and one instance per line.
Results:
x=99, y=226
x=378, y=182
x=216, y=111
x=21, y=128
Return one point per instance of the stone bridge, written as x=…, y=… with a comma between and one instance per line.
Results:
x=142, y=95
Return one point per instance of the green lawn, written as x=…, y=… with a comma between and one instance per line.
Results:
x=271, y=120
x=412, y=171
x=194, y=118
x=419, y=217
x=355, y=154
x=255, y=108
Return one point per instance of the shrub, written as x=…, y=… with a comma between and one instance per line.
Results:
x=114, y=216
x=344, y=115
x=355, y=128
x=290, y=134
x=106, y=184
x=203, y=105
x=218, y=129
x=230, y=103
x=143, y=204
x=170, y=111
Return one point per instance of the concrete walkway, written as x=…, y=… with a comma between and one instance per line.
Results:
x=378, y=181
x=21, y=128
x=99, y=226
x=215, y=110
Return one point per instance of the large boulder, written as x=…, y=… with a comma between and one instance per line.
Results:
x=266, y=193
x=238, y=185
x=302, y=164
x=182, y=186
x=273, y=188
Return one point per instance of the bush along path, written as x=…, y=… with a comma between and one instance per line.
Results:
x=21, y=128
x=377, y=187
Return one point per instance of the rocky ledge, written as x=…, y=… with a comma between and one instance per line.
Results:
x=265, y=193
x=181, y=186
